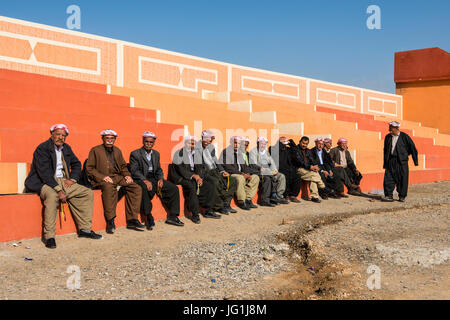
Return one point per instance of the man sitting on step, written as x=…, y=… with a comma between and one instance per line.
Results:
x=334, y=185
x=107, y=170
x=346, y=168
x=234, y=163
x=146, y=171
x=225, y=184
x=307, y=168
x=54, y=173
x=189, y=171
x=273, y=183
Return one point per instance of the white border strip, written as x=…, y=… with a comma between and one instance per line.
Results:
x=272, y=83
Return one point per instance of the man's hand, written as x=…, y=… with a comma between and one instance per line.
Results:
x=247, y=176
x=198, y=179
x=331, y=173
x=160, y=183
x=107, y=179
x=314, y=168
x=325, y=173
x=225, y=174
x=68, y=183
x=275, y=172
x=357, y=172
x=149, y=185
x=62, y=196
x=128, y=179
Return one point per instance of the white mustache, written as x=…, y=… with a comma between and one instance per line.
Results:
x=108, y=142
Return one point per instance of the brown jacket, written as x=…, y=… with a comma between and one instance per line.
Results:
x=98, y=165
x=336, y=157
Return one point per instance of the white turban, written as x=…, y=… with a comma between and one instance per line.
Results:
x=262, y=139
x=327, y=140
x=319, y=139
x=59, y=126
x=394, y=124
x=148, y=134
x=189, y=138
x=108, y=132
x=342, y=140
x=246, y=139
x=207, y=134
x=238, y=138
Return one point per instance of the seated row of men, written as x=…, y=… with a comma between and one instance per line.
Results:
x=207, y=182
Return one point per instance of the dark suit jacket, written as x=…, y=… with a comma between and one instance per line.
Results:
x=336, y=157
x=139, y=165
x=404, y=147
x=181, y=168
x=328, y=164
x=43, y=166
x=98, y=165
x=229, y=163
x=299, y=160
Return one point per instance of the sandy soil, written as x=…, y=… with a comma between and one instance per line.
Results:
x=294, y=251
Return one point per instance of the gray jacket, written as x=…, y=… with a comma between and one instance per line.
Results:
x=263, y=160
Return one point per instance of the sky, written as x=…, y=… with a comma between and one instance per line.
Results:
x=322, y=39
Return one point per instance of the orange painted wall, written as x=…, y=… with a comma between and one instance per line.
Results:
x=427, y=102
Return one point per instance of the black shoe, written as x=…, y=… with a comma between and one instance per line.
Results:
x=175, y=221
x=282, y=201
x=316, y=200
x=89, y=235
x=267, y=204
x=150, y=222
x=230, y=209
x=134, y=224
x=401, y=199
x=243, y=205
x=50, y=243
x=195, y=218
x=294, y=199
x=210, y=214
x=110, y=226
x=250, y=204
x=387, y=199
x=354, y=192
x=324, y=197
x=223, y=211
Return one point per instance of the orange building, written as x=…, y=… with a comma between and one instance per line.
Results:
x=422, y=77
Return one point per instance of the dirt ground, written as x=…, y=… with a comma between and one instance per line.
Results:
x=295, y=251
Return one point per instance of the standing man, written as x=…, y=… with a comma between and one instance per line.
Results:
x=107, y=169
x=283, y=152
x=54, y=173
x=225, y=184
x=397, y=148
x=146, y=171
x=189, y=171
x=346, y=168
x=260, y=157
x=233, y=162
x=308, y=169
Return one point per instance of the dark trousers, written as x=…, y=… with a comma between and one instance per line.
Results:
x=265, y=188
x=396, y=174
x=205, y=197
x=348, y=176
x=170, y=197
x=293, y=183
x=225, y=188
x=333, y=183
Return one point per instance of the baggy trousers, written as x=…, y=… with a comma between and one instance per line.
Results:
x=170, y=197
x=396, y=175
x=132, y=198
x=225, y=188
x=315, y=180
x=205, y=197
x=246, y=190
x=81, y=204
